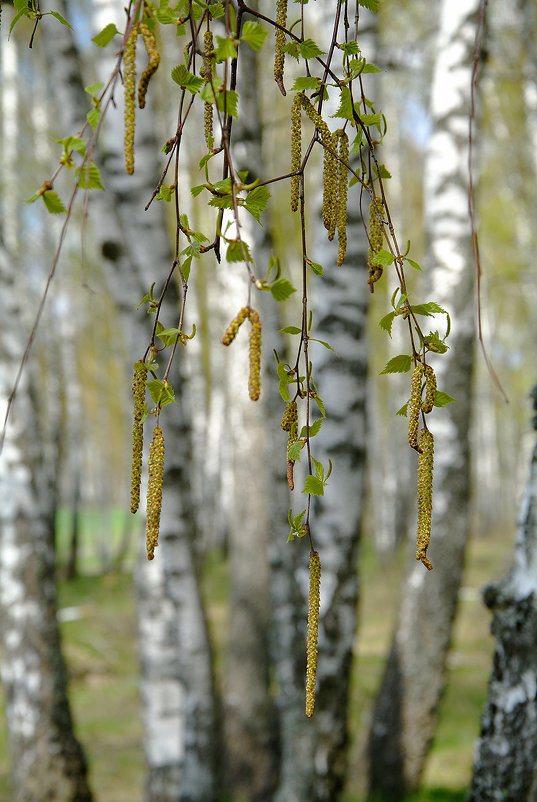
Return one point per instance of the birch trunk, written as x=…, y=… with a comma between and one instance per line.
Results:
x=177, y=689
x=405, y=714
x=506, y=751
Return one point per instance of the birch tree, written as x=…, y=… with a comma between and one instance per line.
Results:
x=406, y=708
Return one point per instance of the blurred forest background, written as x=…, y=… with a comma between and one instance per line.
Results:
x=186, y=675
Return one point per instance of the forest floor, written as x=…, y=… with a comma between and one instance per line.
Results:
x=99, y=633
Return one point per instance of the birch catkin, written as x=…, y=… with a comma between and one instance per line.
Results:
x=430, y=390
x=313, y=630
x=208, y=57
x=138, y=392
x=376, y=239
x=414, y=406
x=425, y=496
x=279, y=52
x=254, y=379
x=342, y=191
x=154, y=61
x=129, y=82
x=231, y=331
x=154, y=491
x=296, y=149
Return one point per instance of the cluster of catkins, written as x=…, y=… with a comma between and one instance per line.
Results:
x=155, y=463
x=254, y=379
x=335, y=161
x=129, y=83
x=424, y=444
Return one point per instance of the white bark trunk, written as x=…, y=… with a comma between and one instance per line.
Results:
x=406, y=709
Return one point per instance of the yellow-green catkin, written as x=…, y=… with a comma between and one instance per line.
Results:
x=138, y=392
x=330, y=173
x=342, y=191
x=254, y=379
x=414, y=405
x=154, y=490
x=231, y=331
x=313, y=631
x=208, y=57
x=430, y=389
x=376, y=240
x=296, y=149
x=289, y=424
x=129, y=83
x=154, y=61
x=425, y=496
x=279, y=53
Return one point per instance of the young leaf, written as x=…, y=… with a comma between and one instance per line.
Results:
x=322, y=342
x=53, y=202
x=226, y=48
x=308, y=49
x=372, y=5
x=289, y=330
x=317, y=268
x=227, y=102
x=106, y=35
x=443, y=399
x=313, y=486
x=306, y=83
x=282, y=289
x=427, y=309
x=256, y=201
x=382, y=258
x=185, y=79
x=314, y=429
x=345, y=106
x=93, y=117
x=89, y=177
x=412, y=263
x=399, y=364
x=253, y=34
x=387, y=321
x=59, y=17
x=238, y=251
x=320, y=403
x=294, y=450
x=319, y=469
x=403, y=411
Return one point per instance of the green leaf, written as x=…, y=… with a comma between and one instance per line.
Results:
x=306, y=83
x=308, y=49
x=185, y=267
x=443, y=399
x=399, y=364
x=372, y=119
x=383, y=258
x=93, y=116
x=16, y=18
x=290, y=330
x=435, y=344
x=227, y=102
x=345, y=106
x=256, y=201
x=284, y=381
x=292, y=49
x=73, y=143
x=314, y=429
x=412, y=263
x=165, y=193
x=428, y=309
x=319, y=469
x=322, y=342
x=371, y=68
x=383, y=172
x=89, y=177
x=185, y=79
x=371, y=5
x=59, y=17
x=53, y=202
x=282, y=289
x=225, y=48
x=106, y=35
x=317, y=268
x=349, y=48
x=320, y=403
x=216, y=10
x=403, y=412
x=238, y=251
x=253, y=34
x=313, y=486
x=387, y=321
x=294, y=450
x=94, y=89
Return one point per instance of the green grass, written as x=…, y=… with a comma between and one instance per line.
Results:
x=100, y=650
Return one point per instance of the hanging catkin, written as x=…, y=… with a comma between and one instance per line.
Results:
x=129, y=82
x=425, y=496
x=330, y=178
x=208, y=58
x=154, y=61
x=289, y=424
x=279, y=53
x=154, y=490
x=313, y=631
x=376, y=239
x=296, y=149
x=342, y=191
x=254, y=379
x=138, y=392
x=430, y=390
x=231, y=331
x=414, y=405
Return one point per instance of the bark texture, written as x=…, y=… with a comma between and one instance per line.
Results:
x=47, y=760
x=505, y=767
x=405, y=714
